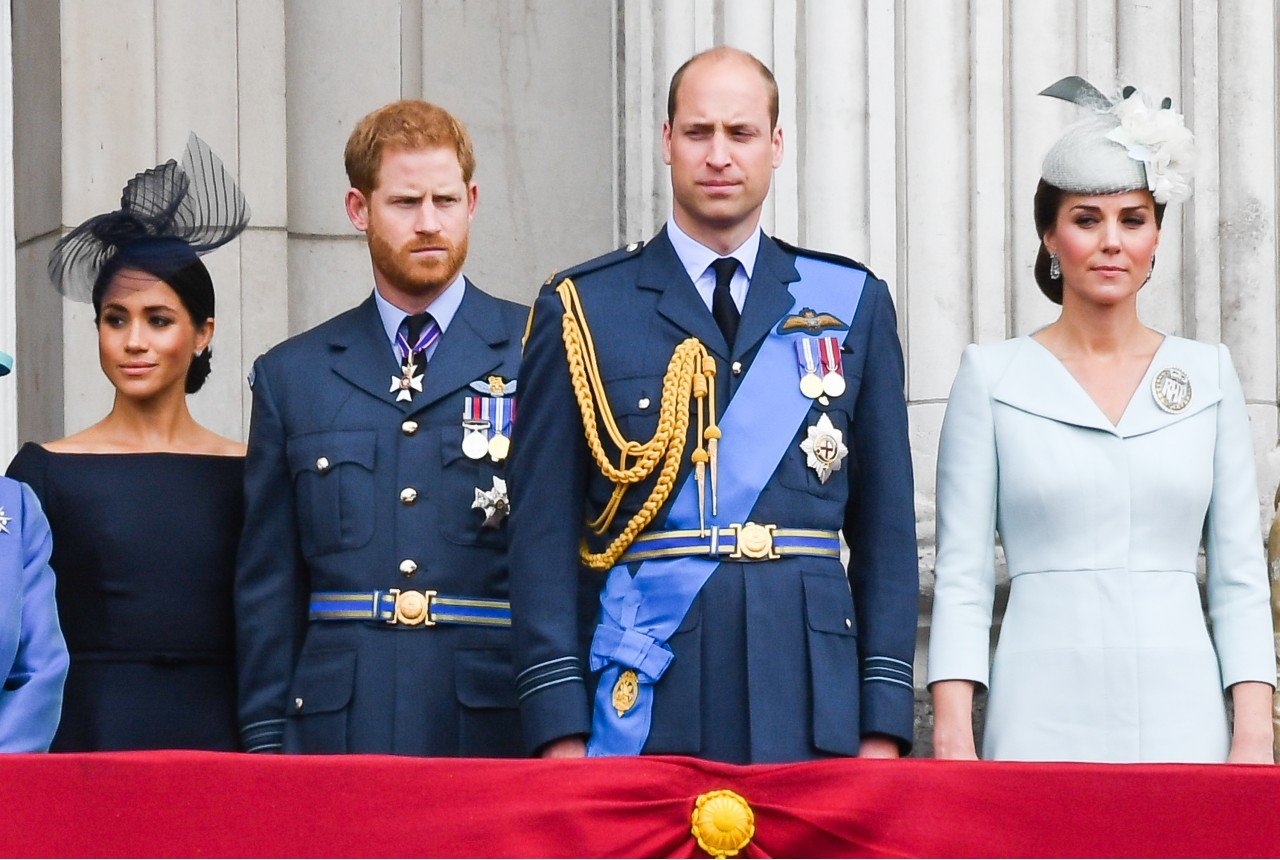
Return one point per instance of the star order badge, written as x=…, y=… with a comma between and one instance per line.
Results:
x=4, y=522
x=824, y=448
x=493, y=503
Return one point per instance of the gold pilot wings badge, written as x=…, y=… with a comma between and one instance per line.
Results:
x=809, y=321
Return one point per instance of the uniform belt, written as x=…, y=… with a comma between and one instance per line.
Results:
x=405, y=608
x=737, y=542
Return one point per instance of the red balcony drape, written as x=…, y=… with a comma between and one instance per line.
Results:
x=217, y=804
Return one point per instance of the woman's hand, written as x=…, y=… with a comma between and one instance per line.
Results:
x=1251, y=736
x=953, y=720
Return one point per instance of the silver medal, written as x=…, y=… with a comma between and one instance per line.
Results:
x=493, y=503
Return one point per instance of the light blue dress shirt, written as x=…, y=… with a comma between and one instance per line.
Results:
x=442, y=310
x=697, y=259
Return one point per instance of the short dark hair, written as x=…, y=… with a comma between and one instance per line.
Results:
x=171, y=261
x=1048, y=202
x=724, y=52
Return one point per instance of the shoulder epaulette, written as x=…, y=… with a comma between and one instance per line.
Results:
x=598, y=263
x=822, y=255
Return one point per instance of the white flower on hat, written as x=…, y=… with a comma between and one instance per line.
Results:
x=1159, y=139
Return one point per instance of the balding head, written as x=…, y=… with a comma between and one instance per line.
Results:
x=725, y=54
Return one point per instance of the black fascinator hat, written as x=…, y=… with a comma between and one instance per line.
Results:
x=167, y=216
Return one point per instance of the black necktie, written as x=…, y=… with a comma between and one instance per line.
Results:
x=414, y=324
x=723, y=309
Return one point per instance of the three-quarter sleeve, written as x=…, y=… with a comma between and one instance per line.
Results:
x=1239, y=595
x=964, y=588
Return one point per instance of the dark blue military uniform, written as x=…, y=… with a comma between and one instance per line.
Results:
x=776, y=660
x=349, y=491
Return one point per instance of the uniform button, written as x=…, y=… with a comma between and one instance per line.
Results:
x=644, y=403
x=408, y=495
x=322, y=464
x=848, y=624
x=409, y=428
x=408, y=567
x=297, y=704
x=736, y=368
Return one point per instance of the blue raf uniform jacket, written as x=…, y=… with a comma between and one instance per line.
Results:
x=347, y=490
x=33, y=654
x=782, y=660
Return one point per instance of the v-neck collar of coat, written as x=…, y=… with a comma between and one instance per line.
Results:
x=1038, y=382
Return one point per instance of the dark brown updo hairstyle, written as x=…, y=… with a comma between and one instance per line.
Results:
x=1048, y=202
x=171, y=261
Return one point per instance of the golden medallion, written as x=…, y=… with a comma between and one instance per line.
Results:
x=723, y=823
x=499, y=447
x=811, y=385
x=625, y=692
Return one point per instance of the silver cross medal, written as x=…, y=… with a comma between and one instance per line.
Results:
x=407, y=382
x=494, y=503
x=824, y=448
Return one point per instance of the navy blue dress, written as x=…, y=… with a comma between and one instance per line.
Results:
x=144, y=549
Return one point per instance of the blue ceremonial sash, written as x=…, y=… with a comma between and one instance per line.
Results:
x=639, y=614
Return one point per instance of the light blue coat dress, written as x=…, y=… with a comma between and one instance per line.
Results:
x=33, y=655
x=1104, y=654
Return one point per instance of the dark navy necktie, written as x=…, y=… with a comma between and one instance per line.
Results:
x=723, y=310
x=420, y=332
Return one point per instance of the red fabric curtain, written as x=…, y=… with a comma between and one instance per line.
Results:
x=219, y=804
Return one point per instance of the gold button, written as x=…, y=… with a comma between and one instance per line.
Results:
x=848, y=624
x=409, y=428
x=322, y=464
x=408, y=495
x=408, y=567
x=297, y=704
x=736, y=368
x=644, y=403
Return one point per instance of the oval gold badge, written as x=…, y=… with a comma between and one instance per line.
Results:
x=1172, y=390
x=625, y=692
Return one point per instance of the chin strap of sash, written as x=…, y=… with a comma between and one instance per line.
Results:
x=689, y=379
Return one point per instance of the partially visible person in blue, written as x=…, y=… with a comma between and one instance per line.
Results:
x=718, y=406
x=146, y=504
x=371, y=596
x=32, y=651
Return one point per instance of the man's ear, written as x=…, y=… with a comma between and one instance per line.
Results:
x=357, y=209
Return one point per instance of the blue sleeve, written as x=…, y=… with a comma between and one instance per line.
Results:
x=880, y=527
x=270, y=578
x=31, y=699
x=548, y=473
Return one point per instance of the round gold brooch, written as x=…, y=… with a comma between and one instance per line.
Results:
x=723, y=823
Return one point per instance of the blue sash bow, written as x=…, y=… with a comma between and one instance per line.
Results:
x=639, y=614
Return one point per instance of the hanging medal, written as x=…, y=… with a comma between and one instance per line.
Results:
x=500, y=442
x=410, y=379
x=833, y=384
x=475, y=427
x=807, y=359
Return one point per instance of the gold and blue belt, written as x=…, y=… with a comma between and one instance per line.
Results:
x=737, y=542
x=405, y=608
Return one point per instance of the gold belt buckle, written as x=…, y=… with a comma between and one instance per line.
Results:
x=413, y=608
x=754, y=541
